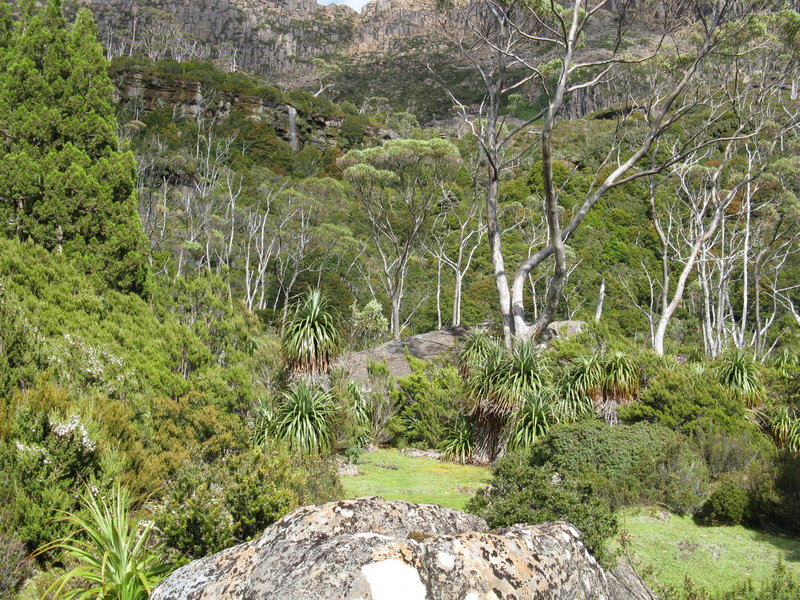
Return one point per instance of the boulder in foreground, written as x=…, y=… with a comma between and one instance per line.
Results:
x=373, y=549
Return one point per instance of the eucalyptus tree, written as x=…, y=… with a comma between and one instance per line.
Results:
x=455, y=237
x=537, y=47
x=400, y=186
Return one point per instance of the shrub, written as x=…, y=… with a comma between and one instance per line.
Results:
x=49, y=447
x=520, y=492
x=727, y=505
x=429, y=400
x=747, y=453
x=210, y=507
x=627, y=464
x=687, y=401
x=15, y=567
x=784, y=505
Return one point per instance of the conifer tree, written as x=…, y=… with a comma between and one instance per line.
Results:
x=64, y=181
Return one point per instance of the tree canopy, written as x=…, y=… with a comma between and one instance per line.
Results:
x=67, y=184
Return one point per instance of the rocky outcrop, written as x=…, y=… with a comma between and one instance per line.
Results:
x=190, y=98
x=424, y=346
x=372, y=549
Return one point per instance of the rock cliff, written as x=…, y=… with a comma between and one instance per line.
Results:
x=372, y=549
x=271, y=36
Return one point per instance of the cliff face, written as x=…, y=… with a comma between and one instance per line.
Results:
x=272, y=36
x=387, y=50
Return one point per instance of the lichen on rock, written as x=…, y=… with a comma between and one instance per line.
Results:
x=373, y=549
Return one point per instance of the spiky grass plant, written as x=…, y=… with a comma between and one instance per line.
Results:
x=476, y=350
x=533, y=419
x=264, y=421
x=620, y=378
x=114, y=551
x=506, y=376
x=305, y=419
x=310, y=336
x=602, y=382
x=362, y=416
x=786, y=362
x=583, y=380
x=495, y=393
x=784, y=426
x=738, y=371
x=458, y=446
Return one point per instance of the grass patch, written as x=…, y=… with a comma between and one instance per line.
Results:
x=716, y=557
x=419, y=480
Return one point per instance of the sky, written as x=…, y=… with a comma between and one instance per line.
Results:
x=354, y=4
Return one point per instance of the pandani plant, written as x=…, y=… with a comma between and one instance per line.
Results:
x=304, y=418
x=310, y=336
x=458, y=445
x=116, y=556
x=738, y=371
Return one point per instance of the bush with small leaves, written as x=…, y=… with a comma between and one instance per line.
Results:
x=727, y=505
x=520, y=492
x=627, y=464
x=208, y=507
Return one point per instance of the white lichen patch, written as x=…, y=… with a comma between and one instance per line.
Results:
x=445, y=561
x=370, y=535
x=393, y=579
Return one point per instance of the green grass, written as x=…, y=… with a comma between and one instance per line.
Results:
x=675, y=547
x=418, y=480
x=716, y=557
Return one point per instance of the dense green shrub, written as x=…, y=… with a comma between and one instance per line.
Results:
x=520, y=492
x=67, y=184
x=429, y=400
x=688, y=401
x=746, y=453
x=627, y=464
x=48, y=449
x=727, y=505
x=209, y=507
x=777, y=495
